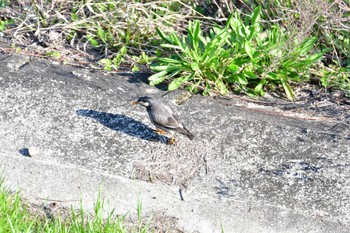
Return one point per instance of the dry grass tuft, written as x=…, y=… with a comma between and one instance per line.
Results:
x=177, y=165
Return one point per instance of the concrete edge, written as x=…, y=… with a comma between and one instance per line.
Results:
x=39, y=180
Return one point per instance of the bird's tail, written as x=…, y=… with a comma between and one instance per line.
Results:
x=186, y=132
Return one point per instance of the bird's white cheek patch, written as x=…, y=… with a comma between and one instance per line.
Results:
x=144, y=104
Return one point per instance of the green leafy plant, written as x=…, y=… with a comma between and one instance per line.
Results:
x=54, y=54
x=328, y=22
x=337, y=78
x=197, y=59
x=240, y=56
x=4, y=23
x=115, y=62
x=4, y=3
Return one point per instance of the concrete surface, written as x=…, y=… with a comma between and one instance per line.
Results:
x=248, y=170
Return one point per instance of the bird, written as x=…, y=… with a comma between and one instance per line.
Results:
x=163, y=118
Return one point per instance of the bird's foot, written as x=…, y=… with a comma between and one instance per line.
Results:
x=160, y=131
x=171, y=141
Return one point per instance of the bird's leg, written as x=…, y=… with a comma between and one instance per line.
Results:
x=172, y=140
x=159, y=131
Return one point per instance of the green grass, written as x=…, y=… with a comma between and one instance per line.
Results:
x=240, y=56
x=249, y=46
x=17, y=215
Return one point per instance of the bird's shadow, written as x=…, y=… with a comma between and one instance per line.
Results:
x=123, y=124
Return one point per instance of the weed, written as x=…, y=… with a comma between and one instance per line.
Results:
x=256, y=49
x=337, y=78
x=17, y=216
x=118, y=30
x=240, y=56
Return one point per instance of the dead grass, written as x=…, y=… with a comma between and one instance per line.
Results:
x=97, y=29
x=174, y=170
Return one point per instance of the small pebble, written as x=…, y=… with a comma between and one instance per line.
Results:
x=33, y=151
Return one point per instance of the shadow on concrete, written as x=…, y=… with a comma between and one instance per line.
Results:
x=123, y=124
x=139, y=77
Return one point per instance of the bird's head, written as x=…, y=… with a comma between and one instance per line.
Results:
x=144, y=101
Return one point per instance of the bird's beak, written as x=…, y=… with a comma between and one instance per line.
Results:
x=134, y=102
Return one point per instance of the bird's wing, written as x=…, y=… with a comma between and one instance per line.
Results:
x=166, y=118
x=173, y=122
x=176, y=117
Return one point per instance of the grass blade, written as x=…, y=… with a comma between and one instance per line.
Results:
x=288, y=90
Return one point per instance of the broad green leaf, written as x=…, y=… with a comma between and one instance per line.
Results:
x=92, y=41
x=274, y=35
x=161, y=34
x=299, y=65
x=255, y=23
x=174, y=73
x=241, y=79
x=307, y=46
x=194, y=66
x=315, y=57
x=195, y=34
x=242, y=29
x=293, y=75
x=238, y=78
x=176, y=83
x=250, y=74
x=288, y=63
x=288, y=90
x=157, y=78
x=176, y=39
x=211, y=50
x=220, y=84
x=166, y=68
x=107, y=64
x=158, y=68
x=272, y=76
x=250, y=32
x=193, y=55
x=251, y=93
x=237, y=26
x=203, y=40
x=135, y=68
x=196, y=30
x=169, y=60
x=258, y=88
x=172, y=46
x=233, y=68
x=256, y=16
x=248, y=49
